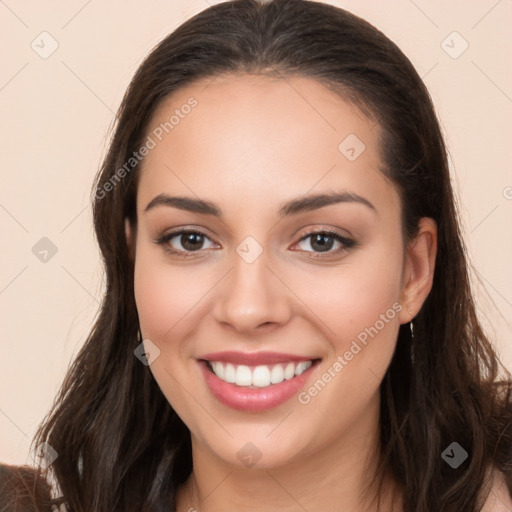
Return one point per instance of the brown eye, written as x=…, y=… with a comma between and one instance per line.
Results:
x=184, y=242
x=191, y=241
x=324, y=241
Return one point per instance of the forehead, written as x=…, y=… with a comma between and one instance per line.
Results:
x=261, y=137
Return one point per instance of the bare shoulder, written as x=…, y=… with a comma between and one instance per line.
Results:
x=499, y=499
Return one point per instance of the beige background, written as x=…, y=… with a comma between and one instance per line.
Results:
x=55, y=116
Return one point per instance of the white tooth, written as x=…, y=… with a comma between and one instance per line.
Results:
x=261, y=376
x=277, y=374
x=243, y=376
x=289, y=371
x=229, y=373
x=302, y=367
x=218, y=369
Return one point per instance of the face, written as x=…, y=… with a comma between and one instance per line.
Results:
x=294, y=304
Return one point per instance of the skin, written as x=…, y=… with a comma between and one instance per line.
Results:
x=251, y=144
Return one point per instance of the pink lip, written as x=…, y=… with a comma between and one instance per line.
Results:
x=254, y=358
x=251, y=399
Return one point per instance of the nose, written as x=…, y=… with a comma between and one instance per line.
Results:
x=252, y=297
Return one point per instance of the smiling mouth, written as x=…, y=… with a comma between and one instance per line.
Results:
x=261, y=376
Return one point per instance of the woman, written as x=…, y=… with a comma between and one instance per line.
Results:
x=288, y=322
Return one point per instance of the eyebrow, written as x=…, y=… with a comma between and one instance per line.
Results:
x=293, y=207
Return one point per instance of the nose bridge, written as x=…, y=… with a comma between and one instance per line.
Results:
x=251, y=295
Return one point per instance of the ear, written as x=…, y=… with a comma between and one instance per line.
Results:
x=130, y=233
x=419, y=263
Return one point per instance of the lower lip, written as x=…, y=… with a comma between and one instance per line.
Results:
x=254, y=399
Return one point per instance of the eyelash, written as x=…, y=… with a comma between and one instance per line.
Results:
x=347, y=243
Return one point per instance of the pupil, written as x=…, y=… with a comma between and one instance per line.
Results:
x=189, y=239
x=322, y=244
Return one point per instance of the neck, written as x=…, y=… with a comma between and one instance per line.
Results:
x=336, y=476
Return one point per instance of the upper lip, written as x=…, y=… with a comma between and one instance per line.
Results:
x=254, y=358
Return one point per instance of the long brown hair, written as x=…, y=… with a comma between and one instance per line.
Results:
x=120, y=444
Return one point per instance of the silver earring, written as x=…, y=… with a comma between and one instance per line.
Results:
x=139, y=335
x=412, y=341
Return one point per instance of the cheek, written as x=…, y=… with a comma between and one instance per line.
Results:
x=168, y=298
x=361, y=312
x=165, y=294
x=352, y=297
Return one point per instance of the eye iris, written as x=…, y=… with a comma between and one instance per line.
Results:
x=321, y=239
x=189, y=238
